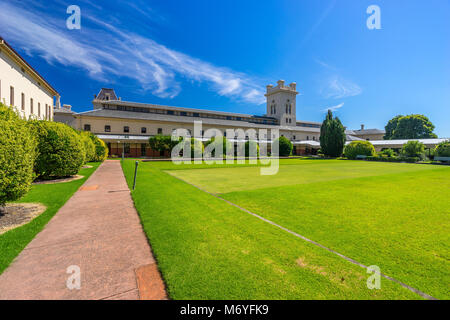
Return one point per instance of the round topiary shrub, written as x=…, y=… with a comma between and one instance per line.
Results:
x=359, y=148
x=251, y=146
x=60, y=149
x=285, y=146
x=442, y=149
x=17, y=156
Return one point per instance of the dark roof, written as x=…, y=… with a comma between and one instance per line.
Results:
x=27, y=64
x=106, y=94
x=365, y=131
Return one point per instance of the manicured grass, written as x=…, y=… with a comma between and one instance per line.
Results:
x=53, y=196
x=392, y=215
x=208, y=249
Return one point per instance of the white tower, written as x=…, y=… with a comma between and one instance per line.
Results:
x=281, y=103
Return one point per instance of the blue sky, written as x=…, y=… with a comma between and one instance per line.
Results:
x=220, y=54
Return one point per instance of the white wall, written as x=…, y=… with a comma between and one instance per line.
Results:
x=12, y=75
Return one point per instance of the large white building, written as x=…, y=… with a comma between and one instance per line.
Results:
x=23, y=87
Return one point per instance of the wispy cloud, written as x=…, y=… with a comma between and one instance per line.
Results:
x=334, y=108
x=337, y=87
x=107, y=52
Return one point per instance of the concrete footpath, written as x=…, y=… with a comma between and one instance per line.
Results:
x=93, y=248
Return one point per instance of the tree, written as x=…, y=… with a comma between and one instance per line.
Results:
x=413, y=149
x=17, y=156
x=285, y=146
x=332, y=136
x=162, y=143
x=251, y=146
x=390, y=127
x=359, y=148
x=414, y=126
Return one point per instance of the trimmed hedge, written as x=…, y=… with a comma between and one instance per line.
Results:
x=60, y=149
x=101, y=149
x=359, y=148
x=17, y=156
x=394, y=159
x=89, y=146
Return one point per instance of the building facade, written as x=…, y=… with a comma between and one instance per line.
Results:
x=23, y=87
x=126, y=126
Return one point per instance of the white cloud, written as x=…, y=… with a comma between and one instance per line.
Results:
x=334, y=108
x=106, y=52
x=337, y=87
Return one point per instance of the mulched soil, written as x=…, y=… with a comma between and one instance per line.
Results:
x=59, y=180
x=14, y=215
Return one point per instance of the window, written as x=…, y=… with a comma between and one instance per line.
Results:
x=170, y=112
x=39, y=109
x=159, y=130
x=126, y=148
x=46, y=110
x=307, y=137
x=287, y=120
x=196, y=114
x=23, y=101
x=87, y=127
x=126, y=129
x=143, y=130
x=143, y=149
x=107, y=128
x=11, y=96
x=294, y=137
x=183, y=113
x=314, y=137
x=31, y=106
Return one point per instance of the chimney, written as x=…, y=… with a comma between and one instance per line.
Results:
x=362, y=127
x=95, y=96
x=293, y=85
x=58, y=102
x=67, y=106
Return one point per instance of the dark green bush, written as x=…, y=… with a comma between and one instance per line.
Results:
x=442, y=149
x=251, y=145
x=359, y=148
x=285, y=146
x=60, y=149
x=17, y=156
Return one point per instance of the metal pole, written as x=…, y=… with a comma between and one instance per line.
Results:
x=135, y=174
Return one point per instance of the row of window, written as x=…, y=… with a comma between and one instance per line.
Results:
x=126, y=129
x=273, y=107
x=261, y=120
x=46, y=112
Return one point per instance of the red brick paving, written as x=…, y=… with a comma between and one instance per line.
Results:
x=99, y=230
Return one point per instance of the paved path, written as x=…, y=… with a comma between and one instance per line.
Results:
x=99, y=230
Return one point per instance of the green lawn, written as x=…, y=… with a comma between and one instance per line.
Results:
x=386, y=214
x=53, y=196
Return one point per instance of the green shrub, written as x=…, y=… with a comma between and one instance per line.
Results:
x=442, y=149
x=285, y=146
x=101, y=149
x=17, y=156
x=60, y=149
x=251, y=145
x=357, y=148
x=413, y=149
x=389, y=153
x=89, y=146
x=217, y=144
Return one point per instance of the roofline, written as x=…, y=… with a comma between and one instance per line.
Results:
x=150, y=105
x=18, y=57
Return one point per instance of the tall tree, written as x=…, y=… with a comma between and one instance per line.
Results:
x=390, y=127
x=415, y=126
x=332, y=136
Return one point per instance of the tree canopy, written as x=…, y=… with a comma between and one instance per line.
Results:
x=414, y=126
x=332, y=136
